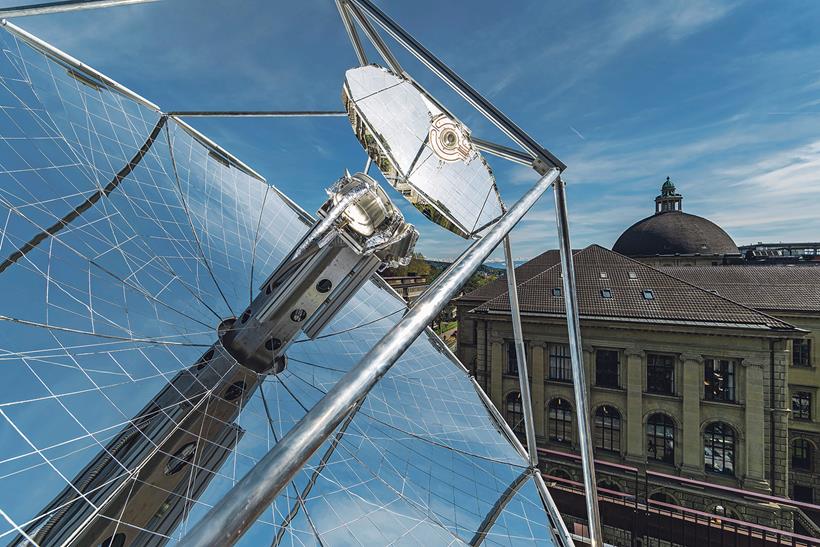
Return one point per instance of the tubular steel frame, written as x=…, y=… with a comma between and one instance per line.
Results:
x=540, y=159
x=220, y=524
x=236, y=512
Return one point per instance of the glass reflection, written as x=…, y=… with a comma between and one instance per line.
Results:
x=109, y=369
x=422, y=151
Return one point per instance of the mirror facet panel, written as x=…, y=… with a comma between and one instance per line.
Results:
x=125, y=239
x=421, y=150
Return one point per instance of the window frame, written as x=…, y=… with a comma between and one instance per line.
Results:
x=671, y=369
x=728, y=381
x=608, y=428
x=664, y=432
x=724, y=441
x=608, y=375
x=514, y=408
x=559, y=367
x=801, y=358
x=559, y=417
x=804, y=488
x=800, y=411
x=806, y=458
x=511, y=357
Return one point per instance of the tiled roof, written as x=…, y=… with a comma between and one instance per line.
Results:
x=781, y=288
x=596, y=269
x=523, y=273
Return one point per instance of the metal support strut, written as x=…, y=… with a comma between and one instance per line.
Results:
x=65, y=5
x=238, y=509
x=579, y=382
x=520, y=355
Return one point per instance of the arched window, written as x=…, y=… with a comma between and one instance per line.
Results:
x=561, y=474
x=608, y=428
x=719, y=448
x=560, y=421
x=609, y=485
x=515, y=412
x=660, y=438
x=801, y=454
x=663, y=497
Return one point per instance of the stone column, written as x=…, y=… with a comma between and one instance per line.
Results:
x=589, y=357
x=482, y=359
x=634, y=406
x=496, y=370
x=755, y=443
x=780, y=409
x=538, y=408
x=689, y=439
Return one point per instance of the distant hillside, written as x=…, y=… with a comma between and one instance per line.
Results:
x=490, y=269
x=432, y=268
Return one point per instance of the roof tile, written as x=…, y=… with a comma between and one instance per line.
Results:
x=674, y=301
x=778, y=288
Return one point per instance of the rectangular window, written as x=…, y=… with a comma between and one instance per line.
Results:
x=803, y=493
x=801, y=405
x=512, y=360
x=660, y=374
x=801, y=352
x=719, y=380
x=560, y=363
x=606, y=368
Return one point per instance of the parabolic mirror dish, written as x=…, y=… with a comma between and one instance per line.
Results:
x=422, y=150
x=125, y=239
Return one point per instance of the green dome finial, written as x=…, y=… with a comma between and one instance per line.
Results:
x=668, y=188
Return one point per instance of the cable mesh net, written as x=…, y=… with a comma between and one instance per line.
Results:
x=125, y=239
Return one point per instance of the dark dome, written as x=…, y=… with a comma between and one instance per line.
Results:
x=674, y=232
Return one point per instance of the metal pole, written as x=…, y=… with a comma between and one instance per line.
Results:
x=520, y=354
x=50, y=50
x=239, y=508
x=374, y=38
x=351, y=33
x=68, y=5
x=555, y=516
x=452, y=79
x=257, y=113
x=579, y=377
x=505, y=152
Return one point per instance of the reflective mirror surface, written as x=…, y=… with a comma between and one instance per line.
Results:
x=125, y=240
x=422, y=151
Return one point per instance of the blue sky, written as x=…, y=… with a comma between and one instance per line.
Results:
x=724, y=97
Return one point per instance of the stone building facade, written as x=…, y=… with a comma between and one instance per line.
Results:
x=683, y=382
x=791, y=293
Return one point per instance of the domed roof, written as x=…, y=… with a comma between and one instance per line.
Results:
x=670, y=231
x=674, y=232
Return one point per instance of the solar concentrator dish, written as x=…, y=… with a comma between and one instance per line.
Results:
x=126, y=238
x=421, y=150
